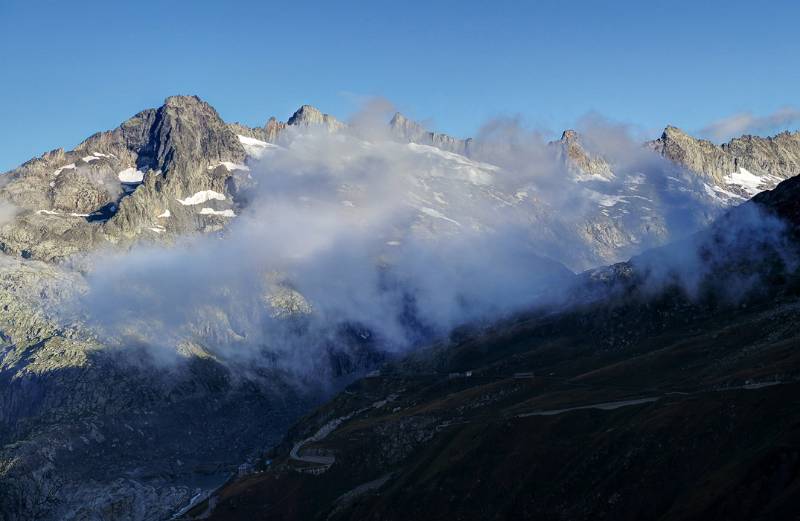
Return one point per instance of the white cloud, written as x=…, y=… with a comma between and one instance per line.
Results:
x=429, y=240
x=748, y=123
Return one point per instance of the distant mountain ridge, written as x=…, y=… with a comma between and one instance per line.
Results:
x=177, y=169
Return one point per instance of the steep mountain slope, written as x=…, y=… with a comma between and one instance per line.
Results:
x=90, y=432
x=637, y=401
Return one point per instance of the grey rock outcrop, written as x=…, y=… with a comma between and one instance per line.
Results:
x=305, y=116
x=578, y=161
x=412, y=132
x=698, y=155
x=311, y=116
x=240, y=129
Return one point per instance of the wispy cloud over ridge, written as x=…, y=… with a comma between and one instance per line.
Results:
x=749, y=123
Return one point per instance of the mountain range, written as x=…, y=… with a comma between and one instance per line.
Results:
x=180, y=168
x=92, y=428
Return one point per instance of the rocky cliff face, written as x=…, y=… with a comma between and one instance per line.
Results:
x=627, y=215
x=189, y=151
x=307, y=116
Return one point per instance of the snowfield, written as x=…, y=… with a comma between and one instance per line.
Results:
x=748, y=181
x=255, y=147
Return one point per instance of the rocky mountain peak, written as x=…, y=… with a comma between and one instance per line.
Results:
x=569, y=135
x=580, y=162
x=126, y=183
x=308, y=116
x=190, y=150
x=411, y=131
x=184, y=100
x=398, y=120
x=672, y=132
x=699, y=156
x=189, y=130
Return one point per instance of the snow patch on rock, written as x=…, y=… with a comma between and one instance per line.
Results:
x=70, y=166
x=201, y=197
x=230, y=167
x=131, y=176
x=746, y=180
x=60, y=214
x=221, y=213
x=254, y=147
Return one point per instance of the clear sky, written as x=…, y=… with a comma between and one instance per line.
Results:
x=70, y=69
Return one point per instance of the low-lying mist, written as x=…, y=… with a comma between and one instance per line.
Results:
x=737, y=257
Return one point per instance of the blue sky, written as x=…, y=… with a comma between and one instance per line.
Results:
x=72, y=68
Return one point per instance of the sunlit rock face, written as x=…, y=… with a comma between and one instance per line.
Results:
x=738, y=169
x=118, y=186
